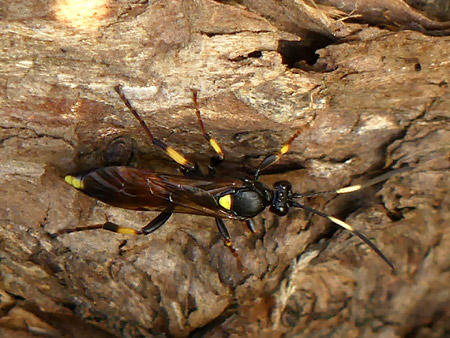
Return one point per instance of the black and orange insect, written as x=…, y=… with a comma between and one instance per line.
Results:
x=197, y=193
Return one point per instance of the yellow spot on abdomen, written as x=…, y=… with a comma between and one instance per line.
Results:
x=74, y=182
x=225, y=201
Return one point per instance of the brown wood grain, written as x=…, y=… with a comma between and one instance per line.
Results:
x=375, y=99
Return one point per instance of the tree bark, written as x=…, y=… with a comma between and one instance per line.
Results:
x=368, y=100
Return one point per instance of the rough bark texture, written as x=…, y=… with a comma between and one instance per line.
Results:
x=374, y=100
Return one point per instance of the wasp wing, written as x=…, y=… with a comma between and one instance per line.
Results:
x=141, y=189
x=199, y=194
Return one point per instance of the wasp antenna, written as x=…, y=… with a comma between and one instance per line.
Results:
x=373, y=181
x=356, y=187
x=347, y=227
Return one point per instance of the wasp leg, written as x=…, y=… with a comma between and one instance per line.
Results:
x=185, y=164
x=216, y=159
x=157, y=222
x=271, y=159
x=227, y=239
x=153, y=225
x=223, y=231
x=250, y=225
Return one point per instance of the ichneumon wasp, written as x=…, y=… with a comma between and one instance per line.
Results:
x=197, y=193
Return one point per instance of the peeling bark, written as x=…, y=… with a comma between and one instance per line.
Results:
x=376, y=100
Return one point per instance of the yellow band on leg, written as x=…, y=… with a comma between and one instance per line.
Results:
x=126, y=231
x=177, y=157
x=216, y=147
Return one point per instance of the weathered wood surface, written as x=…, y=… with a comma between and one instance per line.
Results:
x=377, y=99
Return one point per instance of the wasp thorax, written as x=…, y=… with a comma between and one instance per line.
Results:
x=248, y=203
